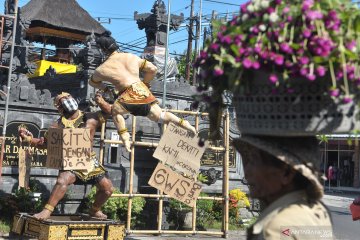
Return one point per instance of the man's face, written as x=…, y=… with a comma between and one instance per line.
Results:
x=264, y=179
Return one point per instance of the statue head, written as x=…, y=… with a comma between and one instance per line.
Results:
x=107, y=43
x=65, y=103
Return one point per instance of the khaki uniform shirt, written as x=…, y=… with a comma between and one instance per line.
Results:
x=292, y=217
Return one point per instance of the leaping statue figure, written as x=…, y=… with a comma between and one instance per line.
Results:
x=123, y=70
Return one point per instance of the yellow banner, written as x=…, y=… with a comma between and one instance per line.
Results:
x=60, y=68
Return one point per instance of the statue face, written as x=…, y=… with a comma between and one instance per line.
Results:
x=69, y=104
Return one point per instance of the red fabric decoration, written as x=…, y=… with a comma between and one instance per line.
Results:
x=355, y=212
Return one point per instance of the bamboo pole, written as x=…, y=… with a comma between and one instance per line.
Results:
x=160, y=211
x=194, y=208
x=102, y=144
x=193, y=223
x=132, y=158
x=188, y=112
x=150, y=144
x=197, y=121
x=160, y=196
x=161, y=201
x=226, y=174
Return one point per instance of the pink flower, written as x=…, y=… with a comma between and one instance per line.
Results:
x=307, y=4
x=334, y=92
x=203, y=54
x=218, y=71
x=303, y=71
x=238, y=39
x=273, y=78
x=313, y=15
x=243, y=7
x=225, y=39
x=306, y=33
x=285, y=47
x=257, y=48
x=247, y=63
x=286, y=10
x=214, y=47
x=351, y=45
x=347, y=99
x=279, y=59
x=320, y=71
x=304, y=60
x=270, y=10
x=256, y=65
x=242, y=51
x=311, y=77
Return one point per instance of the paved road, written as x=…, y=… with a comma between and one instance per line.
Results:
x=233, y=235
x=344, y=227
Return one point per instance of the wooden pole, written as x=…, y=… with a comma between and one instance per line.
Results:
x=132, y=158
x=197, y=122
x=150, y=144
x=102, y=143
x=226, y=175
x=8, y=85
x=193, y=223
x=190, y=39
x=161, y=201
x=159, y=196
x=194, y=80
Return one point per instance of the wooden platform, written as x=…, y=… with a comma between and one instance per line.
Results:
x=62, y=227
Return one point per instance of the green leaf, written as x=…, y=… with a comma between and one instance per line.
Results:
x=350, y=54
x=295, y=46
x=319, y=60
x=235, y=49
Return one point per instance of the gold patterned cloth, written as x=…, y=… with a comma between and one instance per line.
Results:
x=137, y=99
x=96, y=173
x=137, y=93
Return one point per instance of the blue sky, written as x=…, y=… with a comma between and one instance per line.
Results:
x=124, y=28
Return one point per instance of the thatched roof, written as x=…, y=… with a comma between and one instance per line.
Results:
x=65, y=15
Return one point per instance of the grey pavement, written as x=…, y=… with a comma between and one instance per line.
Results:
x=233, y=235
x=343, y=225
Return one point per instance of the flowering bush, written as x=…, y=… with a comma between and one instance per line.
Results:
x=237, y=199
x=312, y=39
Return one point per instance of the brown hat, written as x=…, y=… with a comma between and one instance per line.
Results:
x=59, y=97
x=302, y=153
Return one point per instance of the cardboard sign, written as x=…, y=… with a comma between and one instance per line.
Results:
x=183, y=189
x=69, y=149
x=24, y=167
x=180, y=148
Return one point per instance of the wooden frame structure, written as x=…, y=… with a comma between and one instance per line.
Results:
x=225, y=186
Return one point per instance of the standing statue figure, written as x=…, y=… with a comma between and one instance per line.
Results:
x=72, y=117
x=123, y=70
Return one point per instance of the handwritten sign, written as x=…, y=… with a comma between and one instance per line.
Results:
x=24, y=167
x=180, y=148
x=183, y=189
x=69, y=149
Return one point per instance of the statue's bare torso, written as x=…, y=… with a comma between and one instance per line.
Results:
x=120, y=69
